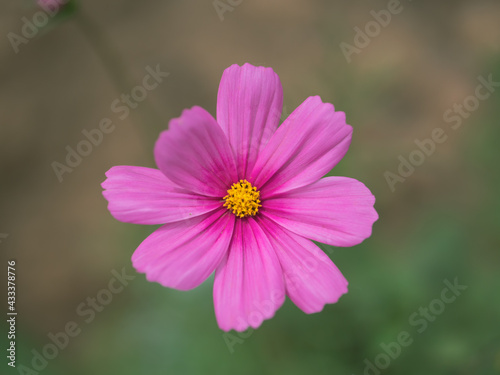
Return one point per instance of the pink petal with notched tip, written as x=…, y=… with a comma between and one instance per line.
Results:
x=311, y=278
x=309, y=143
x=195, y=154
x=249, y=105
x=335, y=210
x=146, y=196
x=182, y=255
x=248, y=286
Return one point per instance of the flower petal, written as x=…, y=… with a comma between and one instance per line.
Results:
x=335, y=210
x=249, y=106
x=248, y=286
x=146, y=196
x=311, y=278
x=311, y=141
x=195, y=154
x=182, y=255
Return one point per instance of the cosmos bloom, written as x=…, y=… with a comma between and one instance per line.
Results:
x=244, y=198
x=51, y=5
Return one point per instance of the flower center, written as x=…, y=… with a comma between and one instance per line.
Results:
x=243, y=199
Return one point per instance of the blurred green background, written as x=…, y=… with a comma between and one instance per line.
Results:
x=441, y=223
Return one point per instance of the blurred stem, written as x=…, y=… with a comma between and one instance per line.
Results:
x=111, y=62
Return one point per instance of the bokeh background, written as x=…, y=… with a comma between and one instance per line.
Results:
x=441, y=223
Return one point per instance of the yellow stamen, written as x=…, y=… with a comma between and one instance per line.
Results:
x=243, y=199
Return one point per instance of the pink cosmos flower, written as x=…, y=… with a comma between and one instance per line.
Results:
x=51, y=5
x=244, y=198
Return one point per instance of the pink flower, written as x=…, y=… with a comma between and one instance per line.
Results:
x=244, y=198
x=51, y=5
